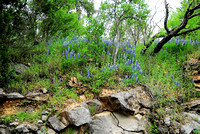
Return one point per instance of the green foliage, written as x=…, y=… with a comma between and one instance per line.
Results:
x=177, y=16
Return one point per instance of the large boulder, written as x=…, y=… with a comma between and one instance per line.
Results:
x=115, y=123
x=78, y=116
x=192, y=124
x=127, y=102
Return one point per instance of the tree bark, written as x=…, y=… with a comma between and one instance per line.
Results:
x=175, y=32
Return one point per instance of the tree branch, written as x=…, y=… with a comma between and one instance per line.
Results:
x=187, y=31
x=166, y=17
x=197, y=14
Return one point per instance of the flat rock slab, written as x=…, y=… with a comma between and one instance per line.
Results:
x=56, y=123
x=79, y=116
x=37, y=96
x=26, y=128
x=19, y=68
x=114, y=123
x=127, y=102
x=14, y=96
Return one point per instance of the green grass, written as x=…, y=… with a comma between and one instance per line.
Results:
x=163, y=73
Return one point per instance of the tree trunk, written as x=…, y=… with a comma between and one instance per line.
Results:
x=161, y=44
x=117, y=47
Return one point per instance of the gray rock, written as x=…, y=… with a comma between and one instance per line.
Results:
x=167, y=121
x=44, y=112
x=14, y=96
x=4, y=129
x=95, y=105
x=40, y=123
x=26, y=128
x=44, y=90
x=14, y=124
x=79, y=116
x=192, y=124
x=56, y=123
x=50, y=131
x=44, y=117
x=18, y=68
x=108, y=123
x=37, y=96
x=127, y=102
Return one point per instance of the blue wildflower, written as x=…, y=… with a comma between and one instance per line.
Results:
x=126, y=76
x=81, y=73
x=53, y=80
x=172, y=77
x=60, y=80
x=111, y=67
x=63, y=53
x=49, y=42
x=89, y=67
x=60, y=92
x=47, y=53
x=192, y=80
x=116, y=66
x=140, y=71
x=135, y=74
x=136, y=79
x=31, y=110
x=78, y=55
x=101, y=70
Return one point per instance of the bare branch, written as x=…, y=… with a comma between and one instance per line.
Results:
x=188, y=31
x=197, y=14
x=166, y=17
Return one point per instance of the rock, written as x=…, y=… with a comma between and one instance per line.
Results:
x=44, y=90
x=108, y=123
x=167, y=121
x=4, y=130
x=44, y=112
x=95, y=106
x=37, y=96
x=39, y=123
x=192, y=124
x=78, y=116
x=26, y=128
x=127, y=102
x=50, y=131
x=18, y=68
x=14, y=124
x=56, y=123
x=83, y=129
x=14, y=96
x=193, y=105
x=44, y=117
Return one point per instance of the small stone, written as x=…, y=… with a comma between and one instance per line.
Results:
x=138, y=116
x=49, y=109
x=40, y=123
x=14, y=124
x=50, y=131
x=44, y=90
x=44, y=117
x=56, y=123
x=167, y=121
x=44, y=112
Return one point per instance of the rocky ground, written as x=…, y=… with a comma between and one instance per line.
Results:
x=113, y=112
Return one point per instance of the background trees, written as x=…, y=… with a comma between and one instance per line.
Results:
x=119, y=11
